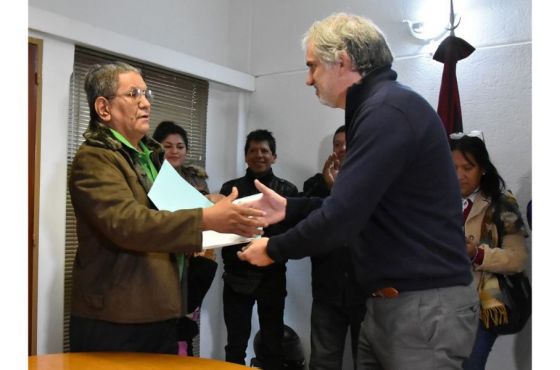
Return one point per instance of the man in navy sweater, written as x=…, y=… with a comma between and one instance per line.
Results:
x=396, y=202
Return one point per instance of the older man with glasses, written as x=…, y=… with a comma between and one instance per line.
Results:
x=128, y=277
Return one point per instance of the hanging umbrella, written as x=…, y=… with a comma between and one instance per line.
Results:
x=449, y=52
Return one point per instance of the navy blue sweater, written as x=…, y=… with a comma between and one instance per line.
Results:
x=396, y=199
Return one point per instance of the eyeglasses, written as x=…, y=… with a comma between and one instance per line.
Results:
x=136, y=93
x=474, y=133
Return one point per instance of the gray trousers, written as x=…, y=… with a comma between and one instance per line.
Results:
x=421, y=330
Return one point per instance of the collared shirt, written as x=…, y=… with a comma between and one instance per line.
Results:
x=143, y=156
x=472, y=196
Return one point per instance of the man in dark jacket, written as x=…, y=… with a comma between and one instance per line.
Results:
x=396, y=201
x=244, y=283
x=338, y=300
x=127, y=289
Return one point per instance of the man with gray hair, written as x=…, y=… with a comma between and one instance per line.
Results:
x=128, y=280
x=395, y=201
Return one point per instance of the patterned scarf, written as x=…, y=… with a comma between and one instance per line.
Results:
x=492, y=311
x=507, y=221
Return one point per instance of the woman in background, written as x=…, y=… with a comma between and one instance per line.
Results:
x=483, y=193
x=201, y=266
x=174, y=140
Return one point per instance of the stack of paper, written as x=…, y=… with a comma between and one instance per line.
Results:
x=170, y=192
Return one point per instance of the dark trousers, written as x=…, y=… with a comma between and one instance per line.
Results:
x=270, y=295
x=329, y=325
x=89, y=335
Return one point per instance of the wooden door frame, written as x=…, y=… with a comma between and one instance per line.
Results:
x=34, y=151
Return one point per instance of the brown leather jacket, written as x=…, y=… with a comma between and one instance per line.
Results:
x=125, y=269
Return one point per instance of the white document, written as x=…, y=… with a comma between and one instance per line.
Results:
x=171, y=192
x=213, y=239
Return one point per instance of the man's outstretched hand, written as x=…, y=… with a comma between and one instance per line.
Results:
x=226, y=217
x=273, y=204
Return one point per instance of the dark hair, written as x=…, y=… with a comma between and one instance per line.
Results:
x=339, y=130
x=491, y=183
x=103, y=80
x=261, y=135
x=166, y=128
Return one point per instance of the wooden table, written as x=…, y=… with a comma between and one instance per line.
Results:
x=125, y=361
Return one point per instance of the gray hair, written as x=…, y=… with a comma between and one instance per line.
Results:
x=358, y=36
x=103, y=80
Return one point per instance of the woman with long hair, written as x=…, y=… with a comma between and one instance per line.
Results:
x=494, y=232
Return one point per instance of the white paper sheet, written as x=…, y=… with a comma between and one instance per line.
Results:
x=172, y=192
